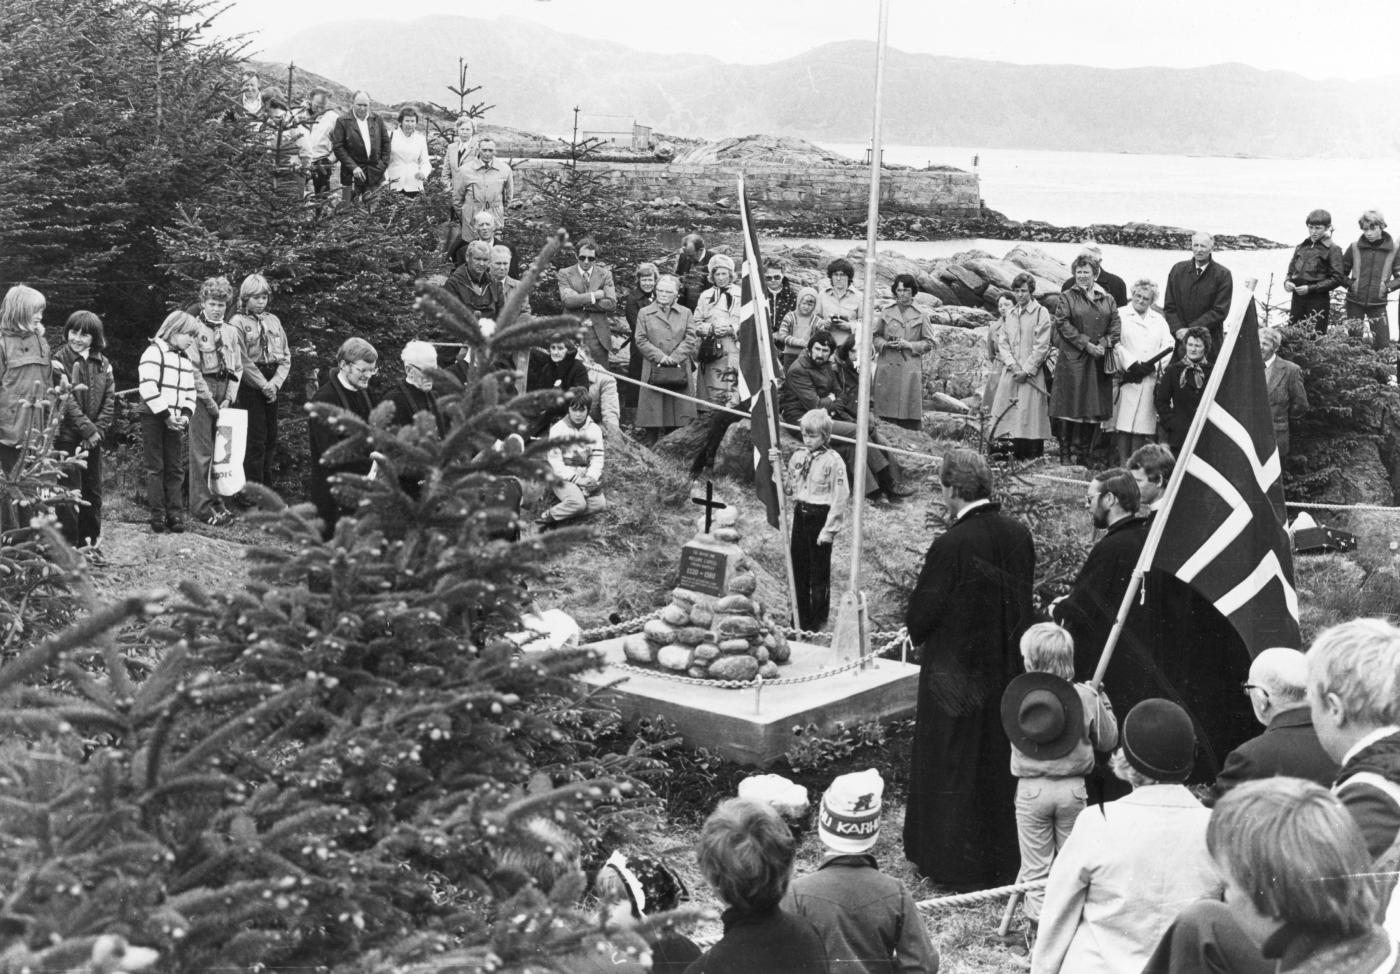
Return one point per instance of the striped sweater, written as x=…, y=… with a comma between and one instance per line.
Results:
x=167, y=379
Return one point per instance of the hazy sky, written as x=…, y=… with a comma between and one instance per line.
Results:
x=1317, y=41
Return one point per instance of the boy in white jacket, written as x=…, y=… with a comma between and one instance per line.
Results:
x=577, y=466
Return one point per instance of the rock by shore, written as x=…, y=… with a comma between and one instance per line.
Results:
x=723, y=216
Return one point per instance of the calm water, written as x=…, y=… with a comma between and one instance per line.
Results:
x=1266, y=197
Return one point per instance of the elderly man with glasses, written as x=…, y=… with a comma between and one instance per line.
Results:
x=1277, y=689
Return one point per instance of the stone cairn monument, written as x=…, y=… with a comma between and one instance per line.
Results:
x=713, y=627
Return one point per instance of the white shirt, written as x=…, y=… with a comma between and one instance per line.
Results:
x=363, y=123
x=321, y=135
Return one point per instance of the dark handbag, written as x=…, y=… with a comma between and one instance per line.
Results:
x=710, y=350
x=669, y=377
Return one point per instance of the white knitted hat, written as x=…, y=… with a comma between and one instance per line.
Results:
x=849, y=820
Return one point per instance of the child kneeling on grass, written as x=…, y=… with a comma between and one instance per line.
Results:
x=868, y=920
x=816, y=481
x=1054, y=726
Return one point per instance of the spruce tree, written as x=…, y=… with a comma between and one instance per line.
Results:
x=345, y=765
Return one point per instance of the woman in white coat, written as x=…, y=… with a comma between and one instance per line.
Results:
x=1131, y=865
x=408, y=156
x=1145, y=336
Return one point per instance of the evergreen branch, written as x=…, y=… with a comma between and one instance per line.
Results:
x=81, y=633
x=232, y=730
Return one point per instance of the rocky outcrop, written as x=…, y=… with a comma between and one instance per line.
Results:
x=772, y=150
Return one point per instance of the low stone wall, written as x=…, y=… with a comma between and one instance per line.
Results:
x=828, y=190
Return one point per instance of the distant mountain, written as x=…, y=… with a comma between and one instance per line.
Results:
x=535, y=76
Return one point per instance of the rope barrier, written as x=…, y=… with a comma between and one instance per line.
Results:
x=743, y=415
x=927, y=457
x=979, y=896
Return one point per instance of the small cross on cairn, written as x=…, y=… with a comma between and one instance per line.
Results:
x=709, y=503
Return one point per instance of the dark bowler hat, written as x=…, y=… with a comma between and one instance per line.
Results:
x=1042, y=715
x=1159, y=741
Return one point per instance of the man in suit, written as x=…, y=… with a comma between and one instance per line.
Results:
x=361, y=143
x=968, y=610
x=1198, y=294
x=1288, y=400
x=1278, y=692
x=587, y=290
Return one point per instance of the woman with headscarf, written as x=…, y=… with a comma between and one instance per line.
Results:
x=798, y=326
x=666, y=338
x=1178, y=395
x=902, y=336
x=1089, y=327
x=717, y=330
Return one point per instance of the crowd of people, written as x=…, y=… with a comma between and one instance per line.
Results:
x=1260, y=868
x=1286, y=863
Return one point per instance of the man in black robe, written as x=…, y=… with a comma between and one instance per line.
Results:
x=967, y=613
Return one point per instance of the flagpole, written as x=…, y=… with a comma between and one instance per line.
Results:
x=1188, y=449
x=852, y=633
x=768, y=393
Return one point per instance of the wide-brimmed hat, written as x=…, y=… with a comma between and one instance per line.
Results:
x=1159, y=741
x=1042, y=715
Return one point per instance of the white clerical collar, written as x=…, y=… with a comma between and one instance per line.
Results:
x=972, y=505
x=1380, y=733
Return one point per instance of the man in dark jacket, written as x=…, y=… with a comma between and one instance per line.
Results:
x=1110, y=282
x=361, y=143
x=813, y=383
x=968, y=610
x=472, y=283
x=1198, y=293
x=1371, y=275
x=1314, y=272
x=1278, y=690
x=1092, y=604
x=693, y=269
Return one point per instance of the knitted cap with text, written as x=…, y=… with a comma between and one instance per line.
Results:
x=849, y=819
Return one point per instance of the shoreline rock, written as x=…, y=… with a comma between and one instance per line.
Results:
x=723, y=216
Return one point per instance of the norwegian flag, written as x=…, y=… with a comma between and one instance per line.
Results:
x=1224, y=533
x=755, y=362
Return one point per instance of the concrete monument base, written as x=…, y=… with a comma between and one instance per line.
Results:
x=755, y=727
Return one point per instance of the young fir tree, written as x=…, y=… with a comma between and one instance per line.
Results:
x=344, y=765
x=115, y=114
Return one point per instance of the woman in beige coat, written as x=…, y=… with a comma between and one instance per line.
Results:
x=665, y=336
